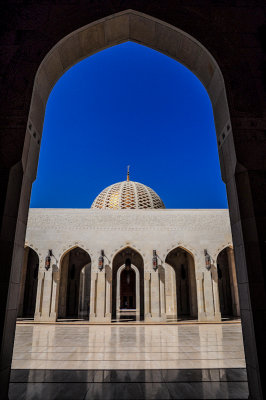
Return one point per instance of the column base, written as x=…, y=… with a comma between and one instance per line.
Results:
x=101, y=318
x=155, y=318
x=38, y=317
x=210, y=318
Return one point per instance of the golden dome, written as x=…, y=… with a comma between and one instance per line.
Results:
x=128, y=194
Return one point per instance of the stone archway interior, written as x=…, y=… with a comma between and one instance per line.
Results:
x=128, y=285
x=29, y=284
x=75, y=280
x=131, y=25
x=180, y=285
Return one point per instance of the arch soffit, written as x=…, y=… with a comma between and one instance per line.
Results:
x=118, y=28
x=70, y=247
x=123, y=247
x=220, y=249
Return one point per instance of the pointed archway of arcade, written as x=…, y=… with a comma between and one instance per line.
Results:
x=128, y=286
x=227, y=284
x=180, y=285
x=75, y=284
x=29, y=284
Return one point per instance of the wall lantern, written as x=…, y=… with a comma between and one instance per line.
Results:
x=207, y=260
x=155, y=260
x=48, y=259
x=101, y=261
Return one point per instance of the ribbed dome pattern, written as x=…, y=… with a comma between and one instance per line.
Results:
x=127, y=194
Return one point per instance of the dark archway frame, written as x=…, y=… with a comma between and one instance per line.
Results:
x=241, y=149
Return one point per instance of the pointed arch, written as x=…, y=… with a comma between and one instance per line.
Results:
x=34, y=248
x=70, y=247
x=182, y=246
x=221, y=248
x=124, y=247
x=130, y=25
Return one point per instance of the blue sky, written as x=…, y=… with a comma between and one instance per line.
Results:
x=129, y=105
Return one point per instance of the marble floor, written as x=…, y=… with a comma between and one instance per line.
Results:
x=128, y=347
x=128, y=362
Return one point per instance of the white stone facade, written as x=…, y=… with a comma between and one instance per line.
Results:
x=143, y=231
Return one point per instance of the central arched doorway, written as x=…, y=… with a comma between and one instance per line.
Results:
x=75, y=283
x=128, y=286
x=180, y=285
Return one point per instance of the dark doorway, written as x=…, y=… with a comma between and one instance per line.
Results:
x=29, y=284
x=224, y=284
x=128, y=289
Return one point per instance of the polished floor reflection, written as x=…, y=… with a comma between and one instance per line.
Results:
x=112, y=362
x=128, y=347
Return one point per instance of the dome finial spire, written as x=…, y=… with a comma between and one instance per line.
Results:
x=128, y=172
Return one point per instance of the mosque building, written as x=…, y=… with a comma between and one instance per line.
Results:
x=128, y=258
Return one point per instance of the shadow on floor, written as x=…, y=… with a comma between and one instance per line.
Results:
x=227, y=383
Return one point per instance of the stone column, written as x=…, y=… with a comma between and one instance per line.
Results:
x=100, y=309
x=118, y=289
x=200, y=296
x=93, y=295
x=137, y=293
x=233, y=281
x=45, y=294
x=147, y=295
x=155, y=307
x=170, y=292
x=161, y=272
x=55, y=293
x=100, y=298
x=39, y=295
x=207, y=293
x=108, y=297
x=192, y=287
x=216, y=299
x=82, y=283
x=155, y=296
x=62, y=289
